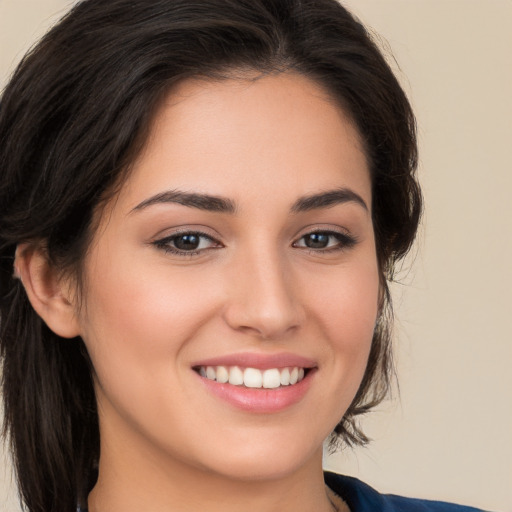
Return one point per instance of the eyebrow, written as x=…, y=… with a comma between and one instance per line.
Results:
x=327, y=199
x=220, y=204
x=191, y=199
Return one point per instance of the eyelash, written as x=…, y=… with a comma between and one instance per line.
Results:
x=344, y=240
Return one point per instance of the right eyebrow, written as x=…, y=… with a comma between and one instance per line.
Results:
x=191, y=199
x=328, y=199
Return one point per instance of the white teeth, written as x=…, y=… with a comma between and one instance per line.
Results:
x=271, y=378
x=252, y=377
x=222, y=374
x=236, y=376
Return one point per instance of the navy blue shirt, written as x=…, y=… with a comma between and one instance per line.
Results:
x=360, y=497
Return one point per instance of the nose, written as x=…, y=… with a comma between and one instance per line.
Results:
x=262, y=298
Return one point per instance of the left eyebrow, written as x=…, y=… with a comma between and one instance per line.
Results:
x=190, y=199
x=327, y=199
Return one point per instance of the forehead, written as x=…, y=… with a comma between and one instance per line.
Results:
x=249, y=137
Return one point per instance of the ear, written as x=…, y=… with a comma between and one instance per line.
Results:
x=49, y=295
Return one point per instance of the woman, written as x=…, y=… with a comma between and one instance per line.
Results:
x=201, y=205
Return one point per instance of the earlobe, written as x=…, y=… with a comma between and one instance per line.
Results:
x=49, y=295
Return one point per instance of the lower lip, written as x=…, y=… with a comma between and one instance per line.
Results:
x=260, y=400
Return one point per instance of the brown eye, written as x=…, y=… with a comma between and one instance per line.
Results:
x=326, y=241
x=317, y=240
x=188, y=242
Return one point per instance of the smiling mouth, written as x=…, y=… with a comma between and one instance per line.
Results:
x=271, y=378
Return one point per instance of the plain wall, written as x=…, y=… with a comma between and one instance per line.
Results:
x=448, y=435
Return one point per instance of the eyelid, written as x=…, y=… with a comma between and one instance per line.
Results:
x=185, y=229
x=324, y=228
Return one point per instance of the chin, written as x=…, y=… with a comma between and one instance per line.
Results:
x=271, y=459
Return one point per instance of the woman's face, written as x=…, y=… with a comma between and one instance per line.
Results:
x=241, y=247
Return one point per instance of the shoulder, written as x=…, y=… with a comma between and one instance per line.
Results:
x=360, y=497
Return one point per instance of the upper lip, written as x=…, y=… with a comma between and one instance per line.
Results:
x=258, y=360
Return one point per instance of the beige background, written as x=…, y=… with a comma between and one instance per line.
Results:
x=449, y=435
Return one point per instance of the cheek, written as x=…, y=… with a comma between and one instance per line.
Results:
x=346, y=308
x=137, y=328
x=348, y=302
x=142, y=315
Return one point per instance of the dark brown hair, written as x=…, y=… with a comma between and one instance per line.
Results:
x=72, y=118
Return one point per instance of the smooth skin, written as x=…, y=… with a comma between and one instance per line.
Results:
x=260, y=277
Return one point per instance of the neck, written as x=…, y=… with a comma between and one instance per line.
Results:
x=143, y=485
